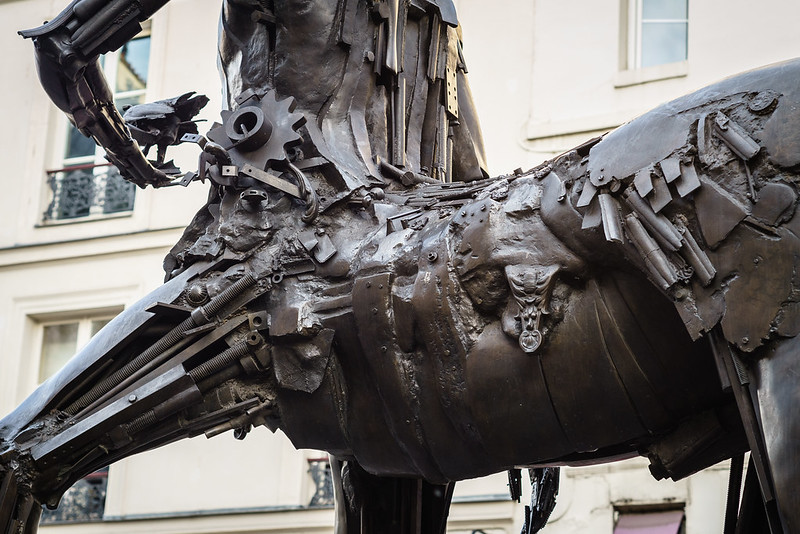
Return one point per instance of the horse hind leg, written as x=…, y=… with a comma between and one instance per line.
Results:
x=775, y=387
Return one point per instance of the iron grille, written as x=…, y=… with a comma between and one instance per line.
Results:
x=88, y=190
x=84, y=501
x=320, y=471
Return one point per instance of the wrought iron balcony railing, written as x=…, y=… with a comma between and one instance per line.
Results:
x=320, y=471
x=88, y=190
x=84, y=501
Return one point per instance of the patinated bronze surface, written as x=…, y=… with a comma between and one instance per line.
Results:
x=357, y=281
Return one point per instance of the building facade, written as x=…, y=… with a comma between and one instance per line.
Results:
x=78, y=245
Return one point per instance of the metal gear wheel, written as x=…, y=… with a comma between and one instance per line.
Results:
x=260, y=130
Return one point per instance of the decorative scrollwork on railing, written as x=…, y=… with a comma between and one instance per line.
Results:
x=320, y=471
x=84, y=501
x=87, y=190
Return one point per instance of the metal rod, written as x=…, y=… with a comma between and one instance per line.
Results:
x=198, y=317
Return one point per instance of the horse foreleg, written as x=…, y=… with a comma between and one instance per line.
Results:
x=369, y=504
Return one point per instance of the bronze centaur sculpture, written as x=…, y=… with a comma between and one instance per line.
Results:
x=358, y=282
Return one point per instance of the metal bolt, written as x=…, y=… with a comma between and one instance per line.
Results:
x=132, y=398
x=369, y=284
x=383, y=348
x=745, y=340
x=483, y=208
x=756, y=261
x=374, y=311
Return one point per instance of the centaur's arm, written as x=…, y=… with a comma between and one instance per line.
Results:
x=67, y=52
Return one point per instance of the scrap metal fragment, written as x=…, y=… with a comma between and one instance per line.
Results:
x=660, y=197
x=643, y=182
x=663, y=230
x=688, y=180
x=654, y=257
x=671, y=167
x=609, y=211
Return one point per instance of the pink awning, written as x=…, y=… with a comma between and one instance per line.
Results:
x=649, y=523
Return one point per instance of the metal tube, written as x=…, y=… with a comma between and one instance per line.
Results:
x=220, y=361
x=696, y=257
x=663, y=230
x=612, y=225
x=650, y=250
x=199, y=316
x=399, y=123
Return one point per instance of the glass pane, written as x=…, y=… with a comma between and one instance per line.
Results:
x=663, y=42
x=59, y=343
x=97, y=324
x=78, y=145
x=134, y=58
x=665, y=9
x=126, y=101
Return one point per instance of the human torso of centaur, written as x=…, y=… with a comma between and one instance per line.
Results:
x=378, y=81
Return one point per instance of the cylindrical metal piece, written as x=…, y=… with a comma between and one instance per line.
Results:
x=696, y=257
x=612, y=225
x=650, y=251
x=734, y=491
x=399, y=123
x=220, y=361
x=663, y=230
x=140, y=423
x=199, y=317
x=737, y=141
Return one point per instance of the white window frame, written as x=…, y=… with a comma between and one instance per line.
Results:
x=634, y=42
x=30, y=312
x=84, y=319
x=630, y=70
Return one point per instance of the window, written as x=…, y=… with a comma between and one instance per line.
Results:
x=657, y=32
x=85, y=184
x=650, y=522
x=61, y=340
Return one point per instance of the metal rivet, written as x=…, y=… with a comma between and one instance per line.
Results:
x=745, y=340
x=483, y=208
x=374, y=311
x=432, y=257
x=756, y=261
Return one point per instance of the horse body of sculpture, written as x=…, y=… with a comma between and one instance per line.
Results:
x=338, y=286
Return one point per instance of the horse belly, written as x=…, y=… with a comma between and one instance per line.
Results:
x=610, y=377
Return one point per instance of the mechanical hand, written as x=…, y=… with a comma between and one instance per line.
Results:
x=67, y=52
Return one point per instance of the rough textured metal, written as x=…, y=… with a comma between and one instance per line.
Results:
x=424, y=330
